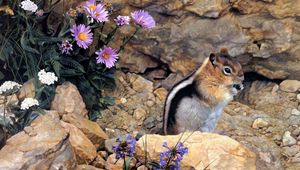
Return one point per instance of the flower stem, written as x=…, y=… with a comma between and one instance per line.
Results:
x=127, y=40
x=110, y=36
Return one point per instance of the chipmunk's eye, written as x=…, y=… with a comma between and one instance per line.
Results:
x=227, y=70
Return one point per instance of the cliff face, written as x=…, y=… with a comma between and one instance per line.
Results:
x=263, y=34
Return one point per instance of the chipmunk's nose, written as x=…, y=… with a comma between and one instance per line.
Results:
x=238, y=86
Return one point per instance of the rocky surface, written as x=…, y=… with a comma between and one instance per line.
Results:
x=259, y=121
x=263, y=35
x=217, y=151
x=91, y=129
x=42, y=144
x=68, y=100
x=138, y=106
x=84, y=149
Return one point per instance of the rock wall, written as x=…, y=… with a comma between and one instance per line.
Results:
x=263, y=34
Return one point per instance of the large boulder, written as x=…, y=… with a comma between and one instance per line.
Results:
x=263, y=34
x=84, y=149
x=42, y=145
x=91, y=129
x=204, y=150
x=68, y=100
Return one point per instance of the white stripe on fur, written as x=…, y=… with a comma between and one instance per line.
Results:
x=175, y=91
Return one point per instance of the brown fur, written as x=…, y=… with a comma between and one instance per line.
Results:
x=213, y=83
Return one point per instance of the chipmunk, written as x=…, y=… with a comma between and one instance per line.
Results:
x=197, y=101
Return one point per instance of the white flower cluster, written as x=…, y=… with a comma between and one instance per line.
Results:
x=29, y=102
x=28, y=5
x=47, y=77
x=9, y=85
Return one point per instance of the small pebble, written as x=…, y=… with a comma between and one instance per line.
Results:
x=287, y=139
x=295, y=112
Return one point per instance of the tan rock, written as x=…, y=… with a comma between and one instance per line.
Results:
x=91, y=129
x=84, y=149
x=141, y=84
x=290, y=85
x=219, y=152
x=113, y=164
x=259, y=123
x=161, y=93
x=68, y=100
x=48, y=148
x=27, y=90
x=207, y=8
x=139, y=114
x=103, y=154
x=86, y=167
x=99, y=162
x=12, y=100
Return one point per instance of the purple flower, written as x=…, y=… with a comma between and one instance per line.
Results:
x=72, y=13
x=171, y=158
x=66, y=47
x=90, y=6
x=97, y=12
x=107, y=56
x=125, y=147
x=143, y=19
x=82, y=35
x=122, y=20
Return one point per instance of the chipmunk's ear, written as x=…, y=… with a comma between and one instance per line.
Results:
x=224, y=51
x=212, y=58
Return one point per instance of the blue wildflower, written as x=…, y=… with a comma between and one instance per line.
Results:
x=124, y=147
x=171, y=158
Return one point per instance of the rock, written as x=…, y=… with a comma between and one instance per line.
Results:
x=267, y=157
x=68, y=100
x=149, y=122
x=27, y=90
x=290, y=86
x=99, y=162
x=84, y=149
x=86, y=167
x=103, y=154
x=290, y=151
x=109, y=143
x=140, y=115
x=12, y=100
x=296, y=132
x=89, y=128
x=259, y=123
x=49, y=147
x=141, y=84
x=288, y=140
x=298, y=97
x=295, y=112
x=161, y=93
x=280, y=74
x=143, y=167
x=219, y=152
x=296, y=158
x=207, y=8
x=113, y=164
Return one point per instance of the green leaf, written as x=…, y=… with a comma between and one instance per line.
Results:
x=67, y=61
x=25, y=46
x=127, y=163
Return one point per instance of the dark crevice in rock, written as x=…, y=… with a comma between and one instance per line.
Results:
x=235, y=11
x=253, y=76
